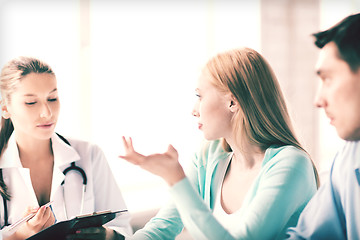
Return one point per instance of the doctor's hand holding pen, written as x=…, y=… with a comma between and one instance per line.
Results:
x=34, y=220
x=165, y=165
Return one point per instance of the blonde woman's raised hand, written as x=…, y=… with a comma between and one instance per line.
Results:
x=166, y=165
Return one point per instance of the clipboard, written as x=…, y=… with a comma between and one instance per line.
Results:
x=61, y=229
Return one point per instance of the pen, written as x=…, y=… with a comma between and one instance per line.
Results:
x=28, y=217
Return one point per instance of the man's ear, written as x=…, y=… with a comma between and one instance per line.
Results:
x=4, y=111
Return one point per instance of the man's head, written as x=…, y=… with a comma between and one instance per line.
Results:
x=339, y=69
x=346, y=36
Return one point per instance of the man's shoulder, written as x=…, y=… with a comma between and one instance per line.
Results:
x=348, y=158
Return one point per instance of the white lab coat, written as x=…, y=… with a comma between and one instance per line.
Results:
x=102, y=192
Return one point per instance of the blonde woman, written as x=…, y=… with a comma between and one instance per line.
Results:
x=251, y=179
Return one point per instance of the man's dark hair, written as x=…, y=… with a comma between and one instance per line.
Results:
x=346, y=36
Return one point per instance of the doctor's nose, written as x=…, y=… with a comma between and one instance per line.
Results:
x=45, y=111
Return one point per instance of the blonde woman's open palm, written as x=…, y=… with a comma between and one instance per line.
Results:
x=165, y=165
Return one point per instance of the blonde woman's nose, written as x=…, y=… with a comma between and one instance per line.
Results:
x=195, y=113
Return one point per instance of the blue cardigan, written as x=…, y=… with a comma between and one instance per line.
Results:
x=285, y=184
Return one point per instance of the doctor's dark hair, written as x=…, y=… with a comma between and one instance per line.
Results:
x=263, y=118
x=346, y=36
x=11, y=75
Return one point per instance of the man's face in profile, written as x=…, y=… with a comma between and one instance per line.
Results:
x=339, y=92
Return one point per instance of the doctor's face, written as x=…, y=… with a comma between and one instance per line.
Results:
x=212, y=109
x=339, y=92
x=34, y=106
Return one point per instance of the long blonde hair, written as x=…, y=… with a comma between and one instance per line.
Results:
x=264, y=119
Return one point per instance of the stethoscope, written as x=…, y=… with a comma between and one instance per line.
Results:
x=81, y=171
x=72, y=167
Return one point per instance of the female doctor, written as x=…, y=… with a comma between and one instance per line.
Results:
x=38, y=166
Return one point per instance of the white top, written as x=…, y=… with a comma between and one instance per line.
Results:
x=102, y=192
x=229, y=221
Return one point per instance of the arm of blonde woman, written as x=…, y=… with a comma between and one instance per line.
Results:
x=43, y=218
x=165, y=165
